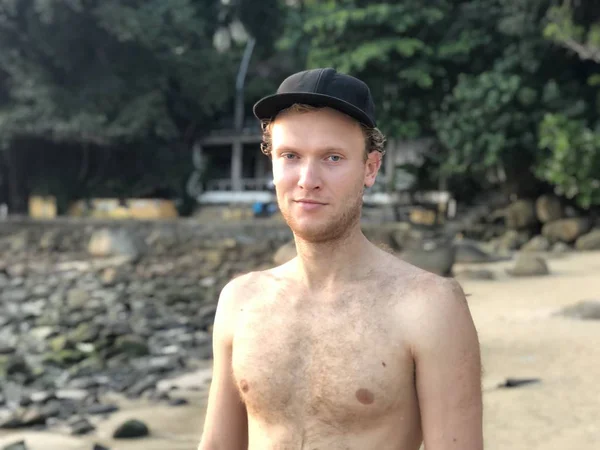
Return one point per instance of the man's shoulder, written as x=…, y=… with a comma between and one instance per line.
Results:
x=418, y=284
x=244, y=287
x=425, y=298
x=434, y=310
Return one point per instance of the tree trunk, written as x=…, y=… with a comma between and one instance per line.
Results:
x=18, y=193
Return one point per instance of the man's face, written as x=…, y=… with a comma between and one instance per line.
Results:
x=319, y=172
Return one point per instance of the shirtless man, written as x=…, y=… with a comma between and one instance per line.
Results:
x=345, y=347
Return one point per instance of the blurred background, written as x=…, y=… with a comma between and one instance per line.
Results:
x=132, y=188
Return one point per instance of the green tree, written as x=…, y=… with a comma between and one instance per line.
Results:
x=410, y=53
x=121, y=74
x=570, y=140
x=479, y=76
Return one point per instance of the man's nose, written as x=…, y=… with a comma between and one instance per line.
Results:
x=309, y=176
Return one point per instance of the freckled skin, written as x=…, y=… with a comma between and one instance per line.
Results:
x=244, y=386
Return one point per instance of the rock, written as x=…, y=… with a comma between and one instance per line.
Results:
x=50, y=240
x=20, y=445
x=33, y=416
x=79, y=426
x=94, y=326
x=521, y=215
x=401, y=234
x=584, y=310
x=528, y=265
x=42, y=396
x=100, y=409
x=15, y=295
x=481, y=274
x=100, y=447
x=77, y=395
x=85, y=332
x=469, y=253
x=146, y=384
x=16, y=365
x=18, y=242
x=77, y=299
x=537, y=244
x=285, y=253
x=107, y=242
x=131, y=429
x=437, y=258
x=589, y=241
x=7, y=349
x=560, y=247
x=178, y=402
x=132, y=345
x=548, y=208
x=510, y=240
x=566, y=230
x=111, y=276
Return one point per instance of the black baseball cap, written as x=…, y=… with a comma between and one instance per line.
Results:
x=324, y=87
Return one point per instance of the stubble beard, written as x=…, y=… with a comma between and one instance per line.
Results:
x=327, y=231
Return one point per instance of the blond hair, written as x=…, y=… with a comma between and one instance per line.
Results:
x=374, y=138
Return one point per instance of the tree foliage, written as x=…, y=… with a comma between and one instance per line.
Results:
x=480, y=76
x=123, y=74
x=108, y=71
x=571, y=139
x=503, y=86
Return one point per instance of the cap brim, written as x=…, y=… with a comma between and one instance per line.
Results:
x=268, y=107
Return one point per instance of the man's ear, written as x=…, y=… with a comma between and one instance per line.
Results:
x=372, y=166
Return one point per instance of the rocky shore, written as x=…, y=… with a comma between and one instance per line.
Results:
x=90, y=311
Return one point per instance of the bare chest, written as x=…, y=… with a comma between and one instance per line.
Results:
x=341, y=365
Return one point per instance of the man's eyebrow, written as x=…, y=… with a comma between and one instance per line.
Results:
x=286, y=148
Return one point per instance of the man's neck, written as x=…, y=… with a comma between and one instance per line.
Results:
x=325, y=265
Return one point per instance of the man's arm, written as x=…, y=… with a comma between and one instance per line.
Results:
x=225, y=425
x=448, y=369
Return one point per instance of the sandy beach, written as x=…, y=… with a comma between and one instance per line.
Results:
x=520, y=337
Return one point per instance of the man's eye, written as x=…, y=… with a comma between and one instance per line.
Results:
x=288, y=156
x=335, y=158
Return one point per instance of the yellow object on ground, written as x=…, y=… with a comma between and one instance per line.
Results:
x=42, y=207
x=112, y=208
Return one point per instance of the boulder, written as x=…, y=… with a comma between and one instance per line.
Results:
x=19, y=445
x=510, y=240
x=469, y=252
x=528, y=265
x=584, y=310
x=437, y=258
x=537, y=244
x=108, y=242
x=589, y=241
x=132, y=345
x=401, y=236
x=131, y=429
x=520, y=215
x=479, y=274
x=548, y=208
x=566, y=230
x=560, y=248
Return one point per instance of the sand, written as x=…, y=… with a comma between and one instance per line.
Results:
x=520, y=337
